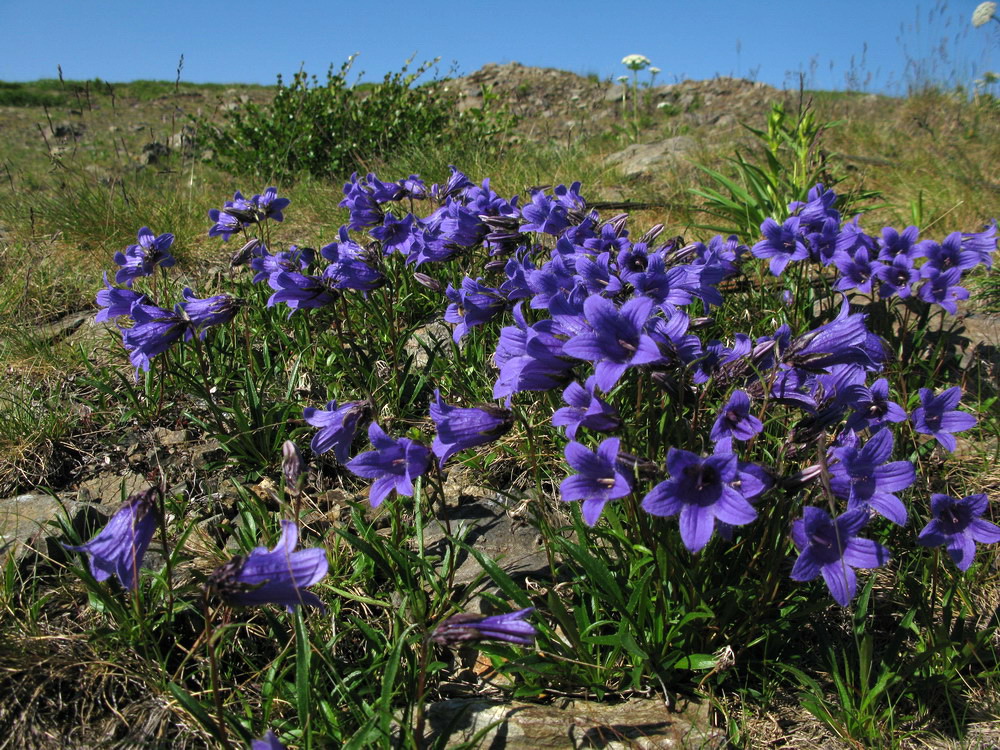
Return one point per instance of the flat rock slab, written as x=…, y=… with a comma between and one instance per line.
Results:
x=643, y=724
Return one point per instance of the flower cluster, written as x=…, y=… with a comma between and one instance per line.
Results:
x=895, y=264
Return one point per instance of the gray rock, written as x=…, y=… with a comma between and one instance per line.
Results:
x=645, y=724
x=642, y=159
x=109, y=487
x=25, y=519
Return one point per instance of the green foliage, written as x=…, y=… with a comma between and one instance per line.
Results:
x=791, y=161
x=333, y=129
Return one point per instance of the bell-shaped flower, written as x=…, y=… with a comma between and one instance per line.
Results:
x=459, y=428
x=154, y=331
x=598, y=480
x=832, y=548
x=140, y=260
x=337, y=426
x=782, y=243
x=863, y=478
x=277, y=576
x=616, y=340
x=958, y=525
x=939, y=416
x=735, y=420
x=394, y=464
x=469, y=628
x=585, y=410
x=212, y=311
x=701, y=490
x=120, y=546
x=115, y=302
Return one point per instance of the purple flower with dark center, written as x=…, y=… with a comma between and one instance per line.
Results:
x=116, y=302
x=277, y=576
x=942, y=287
x=949, y=254
x=530, y=358
x=293, y=260
x=394, y=464
x=597, y=481
x=735, y=420
x=832, y=548
x=865, y=480
x=894, y=244
x=616, y=341
x=897, y=277
x=701, y=490
x=468, y=628
x=459, y=428
x=872, y=407
x=212, y=311
x=585, y=410
x=268, y=742
x=120, y=546
x=336, y=426
x=226, y=224
x=154, y=332
x=782, y=244
x=269, y=205
x=856, y=271
x=140, y=260
x=396, y=235
x=938, y=416
x=958, y=524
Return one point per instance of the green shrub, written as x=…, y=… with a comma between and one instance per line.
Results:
x=333, y=129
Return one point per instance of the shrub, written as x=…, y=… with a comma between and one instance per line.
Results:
x=332, y=129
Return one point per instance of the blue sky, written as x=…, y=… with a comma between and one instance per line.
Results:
x=884, y=43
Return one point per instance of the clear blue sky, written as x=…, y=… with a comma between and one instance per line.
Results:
x=248, y=41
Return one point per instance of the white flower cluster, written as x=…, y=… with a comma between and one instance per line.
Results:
x=980, y=16
x=638, y=62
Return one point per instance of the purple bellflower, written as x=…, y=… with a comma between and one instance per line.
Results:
x=940, y=417
x=115, y=302
x=872, y=407
x=735, y=420
x=154, y=332
x=120, y=546
x=394, y=464
x=469, y=628
x=942, y=287
x=459, y=428
x=782, y=243
x=585, y=410
x=268, y=742
x=337, y=426
x=616, y=341
x=278, y=576
x=140, y=260
x=865, y=480
x=958, y=524
x=832, y=548
x=597, y=481
x=700, y=490
x=211, y=311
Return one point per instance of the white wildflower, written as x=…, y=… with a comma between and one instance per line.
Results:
x=982, y=14
x=638, y=62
